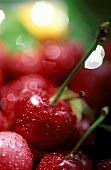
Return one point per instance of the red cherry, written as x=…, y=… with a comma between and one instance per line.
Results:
x=82, y=126
x=107, y=48
x=92, y=82
x=104, y=164
x=11, y=92
x=57, y=161
x=59, y=58
x=85, y=160
x=4, y=54
x=22, y=63
x=41, y=123
x=4, y=124
x=2, y=79
x=14, y=152
x=80, y=157
x=88, y=146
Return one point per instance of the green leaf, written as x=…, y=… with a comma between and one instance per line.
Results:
x=80, y=107
x=68, y=94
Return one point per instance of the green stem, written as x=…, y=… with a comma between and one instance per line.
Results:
x=106, y=127
x=104, y=112
x=101, y=36
x=66, y=82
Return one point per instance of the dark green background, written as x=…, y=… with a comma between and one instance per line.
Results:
x=100, y=9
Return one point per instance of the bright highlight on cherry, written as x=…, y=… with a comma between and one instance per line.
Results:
x=95, y=59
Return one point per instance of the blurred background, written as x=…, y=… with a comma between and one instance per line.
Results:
x=25, y=24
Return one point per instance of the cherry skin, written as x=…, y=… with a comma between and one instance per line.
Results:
x=92, y=82
x=10, y=92
x=2, y=78
x=14, y=152
x=4, y=123
x=59, y=162
x=59, y=58
x=84, y=159
x=104, y=164
x=22, y=63
x=107, y=48
x=41, y=123
x=89, y=145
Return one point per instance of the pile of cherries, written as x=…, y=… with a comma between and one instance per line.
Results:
x=37, y=134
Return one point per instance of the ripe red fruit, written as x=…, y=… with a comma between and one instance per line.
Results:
x=104, y=164
x=22, y=63
x=92, y=82
x=88, y=146
x=14, y=152
x=59, y=58
x=11, y=92
x=84, y=159
x=107, y=47
x=4, y=54
x=4, y=124
x=41, y=123
x=1, y=78
x=82, y=126
x=59, y=162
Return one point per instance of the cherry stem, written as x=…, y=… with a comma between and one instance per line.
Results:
x=99, y=38
x=105, y=127
x=103, y=113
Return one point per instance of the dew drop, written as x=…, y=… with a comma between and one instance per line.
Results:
x=3, y=154
x=33, y=120
x=16, y=164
